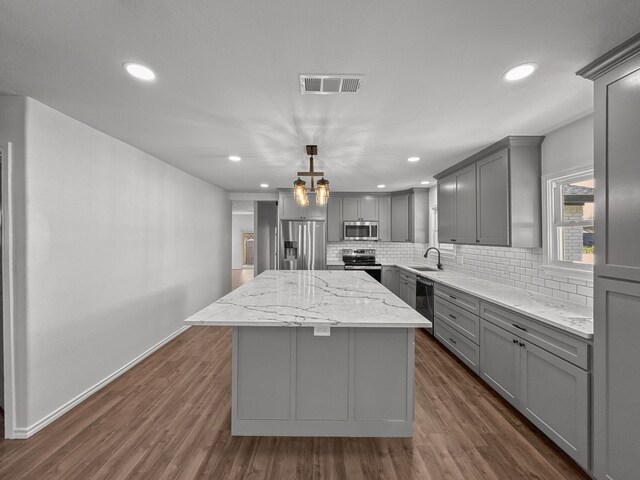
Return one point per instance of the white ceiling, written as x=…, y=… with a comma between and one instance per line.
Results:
x=228, y=78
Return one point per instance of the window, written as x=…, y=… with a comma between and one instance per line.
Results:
x=569, y=247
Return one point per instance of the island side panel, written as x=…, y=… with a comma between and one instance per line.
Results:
x=318, y=383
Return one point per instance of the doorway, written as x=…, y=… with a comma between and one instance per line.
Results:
x=243, y=243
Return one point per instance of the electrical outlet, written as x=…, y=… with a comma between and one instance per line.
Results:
x=323, y=331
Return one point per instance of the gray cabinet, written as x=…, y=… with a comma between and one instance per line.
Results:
x=500, y=360
x=390, y=278
x=400, y=218
x=419, y=215
x=457, y=208
x=363, y=208
x=458, y=344
x=290, y=210
x=384, y=219
x=447, y=209
x=493, y=197
x=334, y=219
x=407, y=288
x=551, y=392
x=616, y=381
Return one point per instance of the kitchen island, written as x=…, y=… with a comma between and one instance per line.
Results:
x=318, y=353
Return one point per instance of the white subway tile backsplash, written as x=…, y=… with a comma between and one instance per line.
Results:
x=520, y=267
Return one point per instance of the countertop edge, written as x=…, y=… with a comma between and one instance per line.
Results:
x=232, y=323
x=532, y=316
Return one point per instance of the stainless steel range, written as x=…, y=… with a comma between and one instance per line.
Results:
x=362, y=259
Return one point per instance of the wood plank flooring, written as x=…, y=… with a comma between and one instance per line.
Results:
x=240, y=276
x=169, y=418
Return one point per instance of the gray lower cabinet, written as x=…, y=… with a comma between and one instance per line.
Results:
x=390, y=278
x=616, y=379
x=334, y=219
x=407, y=288
x=458, y=344
x=500, y=360
x=551, y=392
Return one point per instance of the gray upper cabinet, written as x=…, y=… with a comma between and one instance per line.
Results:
x=363, y=208
x=465, y=206
x=616, y=376
x=384, y=219
x=290, y=210
x=400, y=218
x=457, y=207
x=447, y=209
x=493, y=197
x=334, y=219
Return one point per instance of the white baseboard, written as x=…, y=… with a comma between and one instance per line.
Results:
x=22, y=433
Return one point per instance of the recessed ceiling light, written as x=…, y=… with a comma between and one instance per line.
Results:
x=140, y=71
x=413, y=159
x=424, y=183
x=382, y=185
x=520, y=71
x=264, y=185
x=234, y=158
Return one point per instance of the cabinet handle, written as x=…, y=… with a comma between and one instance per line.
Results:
x=477, y=241
x=523, y=345
x=451, y=296
x=519, y=327
x=515, y=341
x=452, y=341
x=452, y=316
x=453, y=239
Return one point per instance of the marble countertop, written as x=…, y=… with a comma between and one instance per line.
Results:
x=310, y=298
x=561, y=314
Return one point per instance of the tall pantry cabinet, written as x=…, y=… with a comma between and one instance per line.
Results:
x=616, y=380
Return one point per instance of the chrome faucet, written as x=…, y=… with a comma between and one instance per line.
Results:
x=439, y=265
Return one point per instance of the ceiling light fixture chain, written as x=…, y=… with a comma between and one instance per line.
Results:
x=300, y=186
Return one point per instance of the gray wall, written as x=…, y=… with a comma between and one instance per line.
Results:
x=120, y=248
x=266, y=214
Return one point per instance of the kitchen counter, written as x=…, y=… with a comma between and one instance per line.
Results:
x=561, y=314
x=310, y=298
x=354, y=380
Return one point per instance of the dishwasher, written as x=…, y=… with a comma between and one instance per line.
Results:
x=425, y=300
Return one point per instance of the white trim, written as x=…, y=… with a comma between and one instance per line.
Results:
x=549, y=264
x=9, y=374
x=57, y=413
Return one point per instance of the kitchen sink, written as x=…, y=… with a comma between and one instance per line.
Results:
x=422, y=268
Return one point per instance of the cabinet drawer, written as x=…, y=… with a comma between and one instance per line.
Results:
x=411, y=278
x=458, y=344
x=462, y=300
x=464, y=322
x=561, y=344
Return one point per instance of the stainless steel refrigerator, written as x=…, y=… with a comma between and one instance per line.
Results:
x=303, y=245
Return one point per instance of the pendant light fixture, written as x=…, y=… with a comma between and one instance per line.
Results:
x=300, y=186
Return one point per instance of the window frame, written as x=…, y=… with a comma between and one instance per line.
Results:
x=552, y=220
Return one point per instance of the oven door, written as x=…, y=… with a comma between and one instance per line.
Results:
x=375, y=272
x=360, y=231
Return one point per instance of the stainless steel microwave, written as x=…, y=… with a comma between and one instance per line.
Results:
x=360, y=231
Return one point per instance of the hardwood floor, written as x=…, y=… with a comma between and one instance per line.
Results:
x=240, y=276
x=169, y=418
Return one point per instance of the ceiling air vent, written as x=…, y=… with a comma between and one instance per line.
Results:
x=326, y=84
